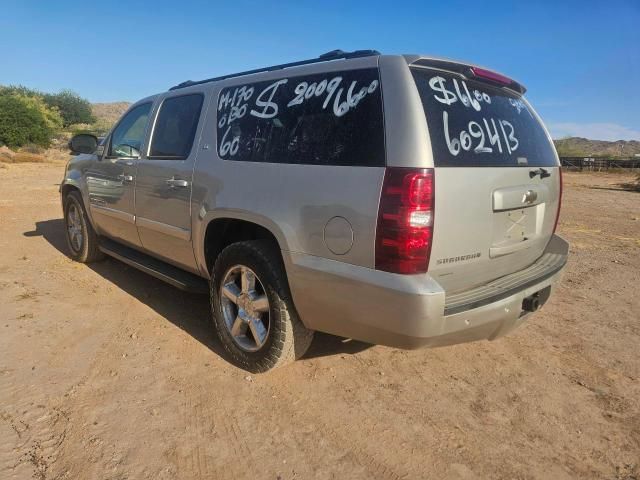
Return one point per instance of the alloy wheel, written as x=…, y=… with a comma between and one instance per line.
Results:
x=245, y=307
x=74, y=227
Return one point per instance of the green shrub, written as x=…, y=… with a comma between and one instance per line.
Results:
x=73, y=108
x=19, y=90
x=26, y=119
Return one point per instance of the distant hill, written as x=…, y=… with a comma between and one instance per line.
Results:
x=583, y=147
x=108, y=113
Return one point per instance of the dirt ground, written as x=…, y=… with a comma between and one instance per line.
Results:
x=107, y=373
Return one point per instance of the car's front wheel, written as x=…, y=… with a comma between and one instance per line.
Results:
x=252, y=308
x=81, y=238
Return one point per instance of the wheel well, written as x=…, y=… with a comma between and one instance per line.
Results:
x=223, y=232
x=66, y=189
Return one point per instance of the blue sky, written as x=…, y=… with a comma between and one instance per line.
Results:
x=579, y=60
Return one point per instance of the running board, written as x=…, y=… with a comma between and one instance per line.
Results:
x=167, y=273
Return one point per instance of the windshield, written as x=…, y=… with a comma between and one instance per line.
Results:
x=473, y=124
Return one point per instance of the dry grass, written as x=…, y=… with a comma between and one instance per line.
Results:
x=29, y=294
x=26, y=157
x=31, y=155
x=22, y=157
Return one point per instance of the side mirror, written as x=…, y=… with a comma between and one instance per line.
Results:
x=83, y=143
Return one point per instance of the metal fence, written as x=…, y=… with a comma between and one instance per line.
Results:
x=600, y=164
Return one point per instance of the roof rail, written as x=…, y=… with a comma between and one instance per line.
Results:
x=325, y=57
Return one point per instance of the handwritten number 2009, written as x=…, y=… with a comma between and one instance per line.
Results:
x=304, y=91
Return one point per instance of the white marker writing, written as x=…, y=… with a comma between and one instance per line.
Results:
x=229, y=147
x=437, y=84
x=494, y=138
x=464, y=141
x=511, y=146
x=449, y=97
x=269, y=107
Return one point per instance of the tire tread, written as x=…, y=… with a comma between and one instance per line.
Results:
x=294, y=338
x=90, y=249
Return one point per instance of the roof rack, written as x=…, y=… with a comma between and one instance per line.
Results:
x=325, y=57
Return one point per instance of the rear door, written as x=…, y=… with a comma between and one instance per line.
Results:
x=497, y=178
x=164, y=179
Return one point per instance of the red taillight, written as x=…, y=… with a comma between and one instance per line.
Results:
x=489, y=75
x=555, y=225
x=405, y=220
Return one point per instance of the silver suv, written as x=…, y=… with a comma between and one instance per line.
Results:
x=401, y=200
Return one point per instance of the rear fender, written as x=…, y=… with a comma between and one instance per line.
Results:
x=204, y=218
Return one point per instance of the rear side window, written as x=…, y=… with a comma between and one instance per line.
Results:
x=176, y=127
x=473, y=124
x=325, y=119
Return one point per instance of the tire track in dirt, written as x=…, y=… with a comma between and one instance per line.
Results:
x=190, y=458
x=33, y=434
x=47, y=420
x=214, y=444
x=81, y=401
x=375, y=458
x=34, y=422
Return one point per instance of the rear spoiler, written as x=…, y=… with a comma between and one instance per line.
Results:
x=469, y=71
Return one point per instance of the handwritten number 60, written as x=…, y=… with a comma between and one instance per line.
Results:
x=229, y=147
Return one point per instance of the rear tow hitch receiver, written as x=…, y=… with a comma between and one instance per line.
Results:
x=532, y=303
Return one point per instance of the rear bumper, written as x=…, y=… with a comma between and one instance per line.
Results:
x=411, y=311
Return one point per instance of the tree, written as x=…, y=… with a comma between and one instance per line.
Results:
x=73, y=108
x=26, y=119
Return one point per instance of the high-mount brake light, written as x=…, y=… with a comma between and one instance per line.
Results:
x=405, y=220
x=489, y=75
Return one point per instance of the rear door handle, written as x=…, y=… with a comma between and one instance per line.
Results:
x=177, y=183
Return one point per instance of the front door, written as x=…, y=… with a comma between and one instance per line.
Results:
x=163, y=182
x=111, y=178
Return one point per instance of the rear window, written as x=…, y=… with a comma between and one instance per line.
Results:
x=325, y=119
x=473, y=124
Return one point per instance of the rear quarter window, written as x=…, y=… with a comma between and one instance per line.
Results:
x=474, y=124
x=324, y=119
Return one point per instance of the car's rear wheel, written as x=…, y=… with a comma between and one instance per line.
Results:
x=81, y=238
x=252, y=308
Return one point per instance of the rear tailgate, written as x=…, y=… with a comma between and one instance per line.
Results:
x=496, y=174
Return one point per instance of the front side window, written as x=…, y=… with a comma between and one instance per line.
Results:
x=176, y=127
x=332, y=118
x=126, y=139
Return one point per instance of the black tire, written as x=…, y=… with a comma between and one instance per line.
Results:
x=287, y=338
x=86, y=250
